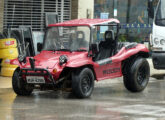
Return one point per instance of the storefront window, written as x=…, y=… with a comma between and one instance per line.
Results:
x=103, y=6
x=133, y=16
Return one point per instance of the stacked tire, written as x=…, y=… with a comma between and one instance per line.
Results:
x=8, y=51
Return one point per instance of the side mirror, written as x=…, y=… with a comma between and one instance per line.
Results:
x=94, y=48
x=150, y=9
x=39, y=47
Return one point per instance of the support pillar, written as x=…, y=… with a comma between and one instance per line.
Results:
x=1, y=14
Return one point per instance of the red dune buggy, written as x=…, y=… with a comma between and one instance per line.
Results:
x=76, y=53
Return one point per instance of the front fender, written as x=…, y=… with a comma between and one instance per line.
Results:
x=15, y=62
x=79, y=63
x=126, y=53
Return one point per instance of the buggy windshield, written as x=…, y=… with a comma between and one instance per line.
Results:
x=75, y=38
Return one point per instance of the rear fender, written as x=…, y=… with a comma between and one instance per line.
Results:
x=124, y=53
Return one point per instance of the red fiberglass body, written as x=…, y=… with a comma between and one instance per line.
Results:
x=50, y=60
x=110, y=67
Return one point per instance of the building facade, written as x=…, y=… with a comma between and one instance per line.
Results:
x=32, y=13
x=1, y=14
x=133, y=15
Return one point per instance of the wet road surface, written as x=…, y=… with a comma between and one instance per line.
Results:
x=109, y=101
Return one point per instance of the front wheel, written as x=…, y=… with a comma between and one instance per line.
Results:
x=83, y=83
x=19, y=85
x=137, y=75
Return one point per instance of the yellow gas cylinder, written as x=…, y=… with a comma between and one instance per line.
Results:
x=6, y=63
x=8, y=43
x=8, y=53
x=7, y=71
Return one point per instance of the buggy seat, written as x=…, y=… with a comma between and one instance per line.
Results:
x=106, y=47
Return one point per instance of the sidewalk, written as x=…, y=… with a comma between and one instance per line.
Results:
x=5, y=82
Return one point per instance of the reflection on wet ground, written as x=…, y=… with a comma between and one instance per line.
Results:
x=108, y=102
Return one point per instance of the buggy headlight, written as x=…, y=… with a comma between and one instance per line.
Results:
x=63, y=59
x=22, y=58
x=162, y=42
x=156, y=41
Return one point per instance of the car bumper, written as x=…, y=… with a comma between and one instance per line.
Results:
x=38, y=72
x=158, y=59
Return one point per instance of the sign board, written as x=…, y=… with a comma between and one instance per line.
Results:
x=115, y=12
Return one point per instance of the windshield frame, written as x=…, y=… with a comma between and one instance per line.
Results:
x=47, y=29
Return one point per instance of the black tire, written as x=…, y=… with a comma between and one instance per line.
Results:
x=19, y=86
x=137, y=75
x=82, y=83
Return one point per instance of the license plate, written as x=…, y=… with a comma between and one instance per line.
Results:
x=35, y=79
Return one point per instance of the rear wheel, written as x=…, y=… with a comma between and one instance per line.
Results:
x=19, y=85
x=137, y=75
x=83, y=83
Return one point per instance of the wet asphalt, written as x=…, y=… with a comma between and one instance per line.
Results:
x=109, y=101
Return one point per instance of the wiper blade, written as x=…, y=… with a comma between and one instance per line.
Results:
x=80, y=50
x=63, y=50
